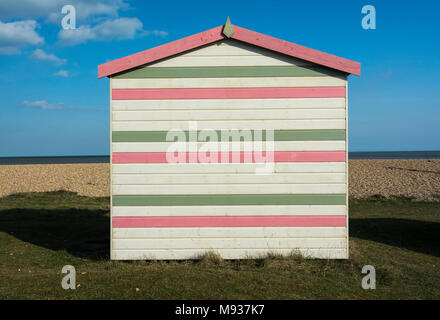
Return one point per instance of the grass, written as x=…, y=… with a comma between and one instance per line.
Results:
x=42, y=232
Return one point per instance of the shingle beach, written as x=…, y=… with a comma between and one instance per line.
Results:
x=419, y=179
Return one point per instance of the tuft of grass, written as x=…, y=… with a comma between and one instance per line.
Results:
x=282, y=262
x=211, y=258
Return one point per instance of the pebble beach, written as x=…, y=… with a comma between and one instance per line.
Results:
x=418, y=179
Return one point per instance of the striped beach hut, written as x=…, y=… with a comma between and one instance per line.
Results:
x=228, y=141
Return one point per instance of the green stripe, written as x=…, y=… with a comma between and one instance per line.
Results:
x=228, y=199
x=226, y=72
x=279, y=135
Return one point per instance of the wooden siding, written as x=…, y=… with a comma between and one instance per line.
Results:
x=228, y=104
x=227, y=82
x=163, y=210
x=242, y=210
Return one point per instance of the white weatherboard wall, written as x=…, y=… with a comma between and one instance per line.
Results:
x=309, y=189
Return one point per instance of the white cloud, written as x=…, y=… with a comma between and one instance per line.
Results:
x=39, y=54
x=97, y=20
x=158, y=33
x=72, y=37
x=113, y=29
x=51, y=9
x=26, y=9
x=44, y=105
x=18, y=34
x=122, y=28
x=62, y=73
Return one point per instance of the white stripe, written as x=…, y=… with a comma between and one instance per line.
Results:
x=228, y=82
x=228, y=178
x=295, y=210
x=228, y=146
x=225, y=253
x=236, y=232
x=229, y=243
x=227, y=104
x=184, y=168
x=191, y=115
x=229, y=124
x=229, y=61
x=228, y=189
x=230, y=47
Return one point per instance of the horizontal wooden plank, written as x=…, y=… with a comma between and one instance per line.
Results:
x=221, y=168
x=225, y=253
x=224, y=146
x=230, y=124
x=229, y=221
x=158, y=179
x=237, y=232
x=228, y=104
x=229, y=243
x=312, y=188
x=278, y=135
x=228, y=47
x=228, y=199
x=228, y=93
x=228, y=72
x=198, y=115
x=158, y=83
x=226, y=61
x=261, y=210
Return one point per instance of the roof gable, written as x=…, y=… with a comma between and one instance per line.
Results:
x=216, y=34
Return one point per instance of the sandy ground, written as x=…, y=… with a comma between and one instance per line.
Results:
x=412, y=178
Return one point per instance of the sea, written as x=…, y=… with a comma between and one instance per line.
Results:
x=106, y=158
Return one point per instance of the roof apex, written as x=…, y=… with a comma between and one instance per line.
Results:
x=228, y=30
x=241, y=34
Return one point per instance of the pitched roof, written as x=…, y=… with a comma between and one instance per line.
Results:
x=240, y=34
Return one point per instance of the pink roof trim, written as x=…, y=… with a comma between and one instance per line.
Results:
x=241, y=34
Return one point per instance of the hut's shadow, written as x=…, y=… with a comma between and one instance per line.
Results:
x=81, y=232
x=86, y=233
x=415, y=235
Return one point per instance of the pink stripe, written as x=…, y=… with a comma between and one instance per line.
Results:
x=228, y=93
x=297, y=51
x=229, y=221
x=229, y=157
x=160, y=52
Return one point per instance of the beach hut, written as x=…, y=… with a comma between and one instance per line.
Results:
x=228, y=141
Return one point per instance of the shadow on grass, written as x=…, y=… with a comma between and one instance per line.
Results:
x=415, y=235
x=85, y=232
x=81, y=232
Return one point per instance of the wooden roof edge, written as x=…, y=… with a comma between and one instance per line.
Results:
x=215, y=34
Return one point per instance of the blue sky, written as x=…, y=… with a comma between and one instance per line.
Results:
x=54, y=104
